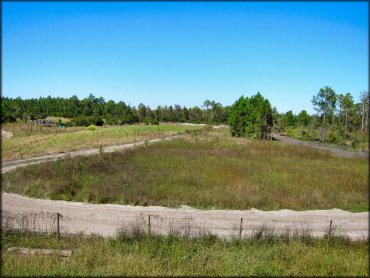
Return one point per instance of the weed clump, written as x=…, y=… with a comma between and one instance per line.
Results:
x=91, y=127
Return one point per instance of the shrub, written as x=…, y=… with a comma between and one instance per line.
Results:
x=68, y=124
x=110, y=121
x=91, y=127
x=86, y=121
x=333, y=137
x=356, y=141
x=150, y=121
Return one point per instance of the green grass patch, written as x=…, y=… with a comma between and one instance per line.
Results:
x=210, y=171
x=174, y=256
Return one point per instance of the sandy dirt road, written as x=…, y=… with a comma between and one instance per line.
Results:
x=14, y=164
x=106, y=219
x=334, y=151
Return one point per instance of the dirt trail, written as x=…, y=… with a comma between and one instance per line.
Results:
x=11, y=165
x=106, y=219
x=334, y=151
x=14, y=164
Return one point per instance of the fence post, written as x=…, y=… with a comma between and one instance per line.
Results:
x=58, y=230
x=241, y=228
x=149, y=227
x=134, y=141
x=331, y=222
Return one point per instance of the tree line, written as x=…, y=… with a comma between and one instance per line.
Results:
x=254, y=116
x=337, y=112
x=248, y=116
x=93, y=110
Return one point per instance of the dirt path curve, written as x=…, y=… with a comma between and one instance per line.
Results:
x=11, y=165
x=106, y=219
x=334, y=151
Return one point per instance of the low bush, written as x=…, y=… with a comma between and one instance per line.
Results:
x=333, y=138
x=86, y=121
x=150, y=121
x=91, y=127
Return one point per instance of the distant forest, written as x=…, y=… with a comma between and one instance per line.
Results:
x=108, y=112
x=338, y=111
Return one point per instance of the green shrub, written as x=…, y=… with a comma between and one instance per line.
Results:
x=290, y=133
x=333, y=137
x=86, y=121
x=150, y=121
x=91, y=127
x=356, y=141
x=110, y=121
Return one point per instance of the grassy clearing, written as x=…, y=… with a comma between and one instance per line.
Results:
x=173, y=255
x=212, y=170
x=38, y=141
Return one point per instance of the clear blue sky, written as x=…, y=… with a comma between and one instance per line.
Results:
x=184, y=53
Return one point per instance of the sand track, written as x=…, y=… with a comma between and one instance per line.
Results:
x=107, y=219
x=14, y=164
x=335, y=151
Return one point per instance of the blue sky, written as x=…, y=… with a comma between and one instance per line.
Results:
x=184, y=53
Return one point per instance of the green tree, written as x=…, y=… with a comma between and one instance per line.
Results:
x=251, y=117
x=289, y=119
x=365, y=99
x=346, y=105
x=238, y=117
x=304, y=118
x=324, y=102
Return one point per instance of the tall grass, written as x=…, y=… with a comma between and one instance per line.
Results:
x=129, y=254
x=208, y=171
x=38, y=143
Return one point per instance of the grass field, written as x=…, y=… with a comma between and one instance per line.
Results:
x=173, y=255
x=38, y=141
x=212, y=170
